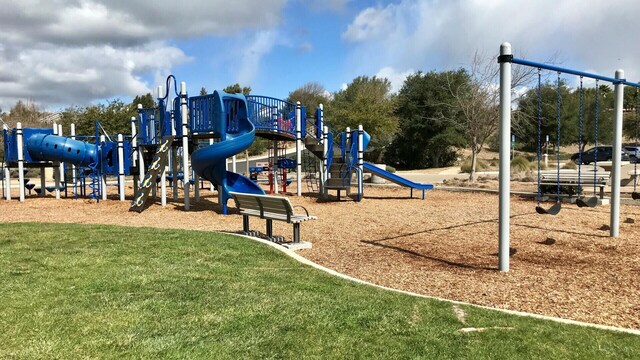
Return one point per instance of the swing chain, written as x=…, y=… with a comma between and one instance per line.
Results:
x=558, y=139
x=635, y=149
x=595, y=160
x=539, y=195
x=580, y=138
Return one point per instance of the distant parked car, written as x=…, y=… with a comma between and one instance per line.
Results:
x=605, y=153
x=633, y=152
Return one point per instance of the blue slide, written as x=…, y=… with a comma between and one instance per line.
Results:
x=383, y=173
x=210, y=162
x=395, y=178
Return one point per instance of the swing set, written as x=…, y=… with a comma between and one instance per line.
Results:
x=506, y=59
x=581, y=201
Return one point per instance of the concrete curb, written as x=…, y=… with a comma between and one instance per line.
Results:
x=306, y=261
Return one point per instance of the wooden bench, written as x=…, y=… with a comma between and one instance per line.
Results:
x=570, y=179
x=270, y=208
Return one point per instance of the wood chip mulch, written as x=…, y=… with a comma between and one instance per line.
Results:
x=446, y=246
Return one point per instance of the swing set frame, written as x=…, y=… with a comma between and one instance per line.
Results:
x=506, y=60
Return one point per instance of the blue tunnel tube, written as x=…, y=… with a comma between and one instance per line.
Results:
x=44, y=147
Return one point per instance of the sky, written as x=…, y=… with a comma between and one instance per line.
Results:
x=62, y=53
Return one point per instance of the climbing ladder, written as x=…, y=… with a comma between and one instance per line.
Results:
x=159, y=162
x=94, y=185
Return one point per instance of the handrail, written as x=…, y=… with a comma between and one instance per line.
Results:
x=268, y=113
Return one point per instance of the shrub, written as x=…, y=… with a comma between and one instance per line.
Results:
x=480, y=165
x=570, y=165
x=390, y=169
x=521, y=164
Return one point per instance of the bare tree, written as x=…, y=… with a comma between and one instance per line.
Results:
x=478, y=102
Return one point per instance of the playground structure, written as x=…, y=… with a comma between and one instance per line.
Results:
x=506, y=60
x=81, y=163
x=188, y=139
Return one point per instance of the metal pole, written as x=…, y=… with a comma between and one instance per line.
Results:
x=246, y=160
x=103, y=177
x=211, y=187
x=134, y=153
x=505, y=164
x=7, y=173
x=360, y=162
x=74, y=172
x=20, y=143
x=299, y=148
x=140, y=147
x=185, y=143
x=617, y=153
x=56, y=170
x=196, y=184
x=61, y=165
x=43, y=182
x=163, y=186
x=174, y=172
x=121, y=166
x=274, y=167
x=234, y=164
x=322, y=138
x=326, y=173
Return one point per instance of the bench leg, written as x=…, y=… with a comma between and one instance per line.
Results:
x=269, y=228
x=601, y=192
x=245, y=224
x=296, y=233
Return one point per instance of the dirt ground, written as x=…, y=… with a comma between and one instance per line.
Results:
x=445, y=246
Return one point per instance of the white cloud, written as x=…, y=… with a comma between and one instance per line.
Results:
x=261, y=45
x=395, y=77
x=430, y=35
x=370, y=24
x=76, y=51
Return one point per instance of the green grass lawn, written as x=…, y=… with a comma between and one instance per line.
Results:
x=76, y=291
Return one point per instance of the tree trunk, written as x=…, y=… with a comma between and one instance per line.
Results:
x=381, y=155
x=474, y=161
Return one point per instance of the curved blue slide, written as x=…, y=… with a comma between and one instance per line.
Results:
x=210, y=162
x=43, y=147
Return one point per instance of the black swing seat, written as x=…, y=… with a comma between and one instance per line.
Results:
x=635, y=195
x=553, y=210
x=590, y=202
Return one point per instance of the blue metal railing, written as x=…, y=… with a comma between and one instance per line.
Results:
x=148, y=126
x=201, y=113
x=271, y=114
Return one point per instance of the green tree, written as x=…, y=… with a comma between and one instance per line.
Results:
x=114, y=116
x=237, y=89
x=146, y=100
x=569, y=116
x=310, y=96
x=428, y=136
x=366, y=101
